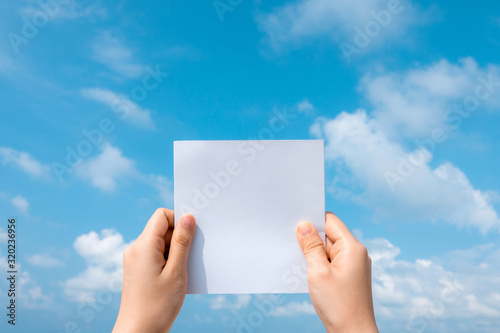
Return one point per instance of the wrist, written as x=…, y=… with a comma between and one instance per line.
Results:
x=131, y=325
x=365, y=326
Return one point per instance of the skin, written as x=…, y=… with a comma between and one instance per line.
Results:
x=154, y=288
x=339, y=277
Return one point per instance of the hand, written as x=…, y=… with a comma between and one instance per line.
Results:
x=154, y=288
x=339, y=278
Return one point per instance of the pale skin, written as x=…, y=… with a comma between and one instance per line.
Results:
x=340, y=290
x=154, y=288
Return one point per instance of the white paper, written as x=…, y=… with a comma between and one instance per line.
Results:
x=248, y=197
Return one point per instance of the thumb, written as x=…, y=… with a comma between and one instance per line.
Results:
x=311, y=244
x=180, y=244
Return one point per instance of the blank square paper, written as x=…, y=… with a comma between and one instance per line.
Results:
x=248, y=197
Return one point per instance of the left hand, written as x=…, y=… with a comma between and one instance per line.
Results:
x=154, y=288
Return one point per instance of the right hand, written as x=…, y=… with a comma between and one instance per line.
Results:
x=339, y=277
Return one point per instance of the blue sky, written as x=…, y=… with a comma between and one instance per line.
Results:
x=427, y=76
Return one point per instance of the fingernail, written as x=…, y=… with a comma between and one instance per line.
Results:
x=305, y=228
x=188, y=221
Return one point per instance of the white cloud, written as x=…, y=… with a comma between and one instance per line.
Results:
x=369, y=159
x=24, y=161
x=31, y=294
x=127, y=109
x=305, y=107
x=415, y=102
x=163, y=185
x=44, y=260
x=296, y=23
x=165, y=189
x=203, y=319
x=103, y=250
x=110, y=165
x=74, y=10
x=106, y=168
x=103, y=254
x=232, y=303
x=111, y=52
x=69, y=10
x=292, y=309
x=20, y=203
x=376, y=168
x=418, y=296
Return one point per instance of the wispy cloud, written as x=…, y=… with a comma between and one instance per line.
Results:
x=232, y=303
x=295, y=24
x=20, y=203
x=164, y=186
x=127, y=109
x=64, y=10
x=110, y=166
x=399, y=181
x=305, y=107
x=418, y=100
x=44, y=260
x=31, y=294
x=24, y=161
x=292, y=309
x=113, y=53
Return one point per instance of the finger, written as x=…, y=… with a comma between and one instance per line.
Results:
x=180, y=244
x=160, y=225
x=335, y=229
x=311, y=244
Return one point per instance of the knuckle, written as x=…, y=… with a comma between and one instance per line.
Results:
x=312, y=245
x=160, y=211
x=361, y=250
x=129, y=254
x=183, y=240
x=364, y=251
